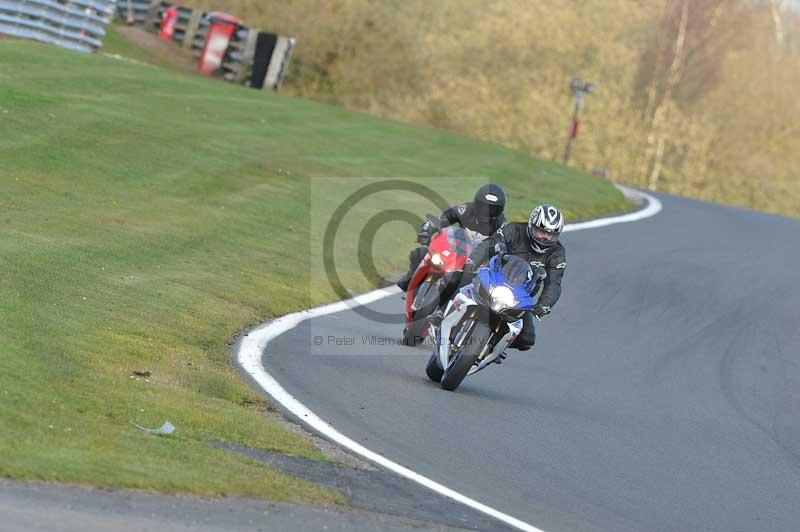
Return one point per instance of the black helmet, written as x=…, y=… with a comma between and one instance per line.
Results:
x=490, y=200
x=544, y=227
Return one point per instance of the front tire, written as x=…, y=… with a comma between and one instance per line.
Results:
x=433, y=369
x=466, y=358
x=413, y=333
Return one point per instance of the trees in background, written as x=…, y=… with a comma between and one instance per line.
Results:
x=723, y=73
x=694, y=97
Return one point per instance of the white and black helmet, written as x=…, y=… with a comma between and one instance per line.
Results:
x=544, y=227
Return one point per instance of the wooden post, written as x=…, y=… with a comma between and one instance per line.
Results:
x=153, y=19
x=191, y=28
x=129, y=20
x=248, y=53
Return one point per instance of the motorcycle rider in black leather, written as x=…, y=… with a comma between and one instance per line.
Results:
x=538, y=243
x=482, y=217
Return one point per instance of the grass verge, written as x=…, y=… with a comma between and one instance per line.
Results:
x=133, y=42
x=147, y=217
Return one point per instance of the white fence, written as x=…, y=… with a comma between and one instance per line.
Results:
x=74, y=24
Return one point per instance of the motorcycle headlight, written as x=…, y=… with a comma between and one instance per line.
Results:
x=436, y=259
x=502, y=297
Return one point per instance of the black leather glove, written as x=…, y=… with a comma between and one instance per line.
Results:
x=424, y=234
x=469, y=272
x=541, y=310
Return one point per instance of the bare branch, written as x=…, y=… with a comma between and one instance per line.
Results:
x=776, y=8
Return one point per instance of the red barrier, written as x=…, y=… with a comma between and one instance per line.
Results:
x=220, y=30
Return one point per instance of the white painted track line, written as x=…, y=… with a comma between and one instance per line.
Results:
x=652, y=208
x=252, y=346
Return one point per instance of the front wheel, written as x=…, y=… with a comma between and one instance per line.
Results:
x=433, y=369
x=466, y=357
x=413, y=333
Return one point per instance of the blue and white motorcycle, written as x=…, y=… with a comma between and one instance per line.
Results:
x=483, y=319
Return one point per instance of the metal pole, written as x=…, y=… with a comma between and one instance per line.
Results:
x=579, y=89
x=573, y=127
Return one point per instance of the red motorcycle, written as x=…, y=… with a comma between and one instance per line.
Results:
x=436, y=278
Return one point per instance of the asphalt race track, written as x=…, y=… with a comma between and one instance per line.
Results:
x=663, y=393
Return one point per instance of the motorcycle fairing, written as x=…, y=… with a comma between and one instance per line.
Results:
x=453, y=245
x=493, y=275
x=466, y=299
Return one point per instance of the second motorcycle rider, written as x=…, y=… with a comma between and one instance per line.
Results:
x=482, y=217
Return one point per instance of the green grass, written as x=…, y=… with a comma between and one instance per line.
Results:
x=116, y=43
x=147, y=217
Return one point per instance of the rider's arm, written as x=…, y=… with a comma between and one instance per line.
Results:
x=447, y=218
x=485, y=250
x=450, y=216
x=556, y=265
x=427, y=229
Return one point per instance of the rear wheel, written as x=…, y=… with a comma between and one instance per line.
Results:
x=433, y=369
x=466, y=357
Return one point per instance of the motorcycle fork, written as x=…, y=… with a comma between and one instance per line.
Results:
x=491, y=342
x=430, y=283
x=463, y=332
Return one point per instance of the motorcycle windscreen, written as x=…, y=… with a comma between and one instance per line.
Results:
x=460, y=241
x=517, y=271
